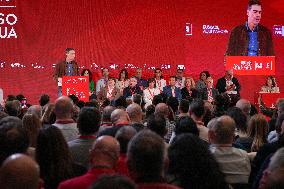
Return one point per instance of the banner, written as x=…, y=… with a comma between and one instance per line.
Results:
x=77, y=85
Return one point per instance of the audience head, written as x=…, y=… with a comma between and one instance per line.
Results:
x=139, y=73
x=244, y=105
x=183, y=106
x=221, y=130
x=158, y=73
x=239, y=117
x=133, y=82
x=157, y=124
x=107, y=113
x=35, y=110
x=13, y=108
x=120, y=102
x=48, y=116
x=32, y=125
x=197, y=109
x=162, y=109
x=186, y=125
x=123, y=74
x=204, y=75
x=146, y=156
x=172, y=81
x=189, y=83
x=257, y=130
x=2, y=115
x=88, y=73
x=13, y=138
x=63, y=108
x=173, y=103
x=152, y=83
x=193, y=165
x=19, y=171
x=280, y=106
x=105, y=72
x=137, y=98
x=179, y=73
x=149, y=110
x=44, y=99
x=119, y=116
x=209, y=82
x=157, y=99
x=112, y=182
x=279, y=126
x=89, y=121
x=123, y=136
x=105, y=152
x=135, y=113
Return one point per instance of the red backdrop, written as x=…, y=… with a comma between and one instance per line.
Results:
x=143, y=33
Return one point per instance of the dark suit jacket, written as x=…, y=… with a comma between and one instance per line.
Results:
x=204, y=93
x=60, y=69
x=186, y=95
x=221, y=85
x=127, y=92
x=167, y=90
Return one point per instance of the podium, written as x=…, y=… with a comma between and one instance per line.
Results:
x=269, y=99
x=251, y=65
x=77, y=85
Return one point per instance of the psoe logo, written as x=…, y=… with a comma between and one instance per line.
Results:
x=8, y=20
x=278, y=30
x=188, y=29
x=213, y=29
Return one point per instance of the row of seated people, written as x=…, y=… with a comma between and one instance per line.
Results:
x=202, y=149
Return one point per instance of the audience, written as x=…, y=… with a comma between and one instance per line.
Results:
x=114, y=182
x=104, y=156
x=135, y=114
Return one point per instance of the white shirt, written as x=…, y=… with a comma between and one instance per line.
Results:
x=149, y=95
x=160, y=84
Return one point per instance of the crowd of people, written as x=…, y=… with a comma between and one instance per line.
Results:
x=170, y=143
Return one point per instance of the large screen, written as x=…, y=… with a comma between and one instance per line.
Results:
x=125, y=34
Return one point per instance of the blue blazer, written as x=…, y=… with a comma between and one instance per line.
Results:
x=167, y=90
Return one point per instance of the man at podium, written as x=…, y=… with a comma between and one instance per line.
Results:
x=67, y=67
x=251, y=38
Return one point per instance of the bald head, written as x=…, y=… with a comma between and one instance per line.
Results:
x=221, y=130
x=107, y=113
x=244, y=105
x=35, y=110
x=135, y=112
x=119, y=116
x=105, y=152
x=63, y=108
x=19, y=172
x=162, y=109
x=124, y=135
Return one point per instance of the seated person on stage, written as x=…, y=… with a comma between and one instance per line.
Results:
x=228, y=84
x=209, y=93
x=101, y=83
x=171, y=89
x=132, y=89
x=179, y=78
x=123, y=80
x=142, y=83
x=87, y=72
x=270, y=86
x=150, y=92
x=201, y=83
x=188, y=91
x=109, y=92
x=160, y=82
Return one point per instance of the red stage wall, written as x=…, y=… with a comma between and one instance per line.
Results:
x=145, y=33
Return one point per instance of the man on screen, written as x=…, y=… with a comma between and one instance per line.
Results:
x=251, y=38
x=68, y=67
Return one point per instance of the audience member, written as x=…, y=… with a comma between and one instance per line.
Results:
x=114, y=182
x=180, y=79
x=157, y=123
x=172, y=89
x=209, y=93
x=189, y=92
x=159, y=80
x=106, y=113
x=245, y=106
x=13, y=108
x=141, y=83
x=228, y=84
x=201, y=83
x=101, y=83
x=133, y=88
x=123, y=80
x=183, y=108
x=150, y=92
x=136, y=116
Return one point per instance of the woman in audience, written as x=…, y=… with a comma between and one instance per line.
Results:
x=257, y=130
x=110, y=91
x=192, y=166
x=201, y=83
x=123, y=80
x=160, y=82
x=87, y=72
x=150, y=92
x=189, y=92
x=48, y=117
x=32, y=124
x=270, y=85
x=54, y=158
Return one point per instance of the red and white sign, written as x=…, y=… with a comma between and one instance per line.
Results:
x=251, y=65
x=77, y=85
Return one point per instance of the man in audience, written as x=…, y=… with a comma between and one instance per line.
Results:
x=103, y=158
x=142, y=83
x=106, y=121
x=228, y=84
x=63, y=111
x=209, y=93
x=13, y=138
x=88, y=124
x=180, y=80
x=35, y=110
x=157, y=123
x=183, y=108
x=245, y=106
x=13, y=108
x=234, y=162
x=196, y=112
x=136, y=115
x=123, y=136
x=44, y=100
x=19, y=172
x=133, y=88
x=171, y=89
x=163, y=110
x=146, y=158
x=119, y=118
x=101, y=83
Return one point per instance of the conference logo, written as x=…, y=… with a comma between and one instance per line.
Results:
x=213, y=29
x=278, y=30
x=8, y=20
x=188, y=29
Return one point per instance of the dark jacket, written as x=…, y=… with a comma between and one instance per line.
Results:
x=167, y=90
x=60, y=69
x=221, y=85
x=204, y=93
x=238, y=42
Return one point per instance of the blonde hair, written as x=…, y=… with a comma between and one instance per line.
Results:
x=192, y=83
x=257, y=130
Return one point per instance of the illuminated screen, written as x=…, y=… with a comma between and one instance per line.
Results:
x=128, y=33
